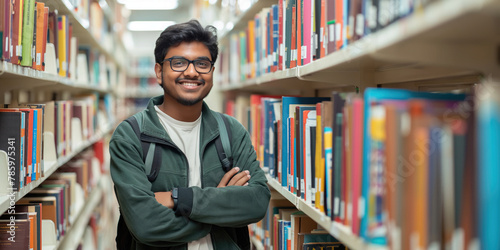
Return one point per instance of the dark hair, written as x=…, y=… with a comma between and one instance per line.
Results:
x=186, y=32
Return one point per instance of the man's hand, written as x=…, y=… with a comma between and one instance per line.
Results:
x=165, y=198
x=233, y=178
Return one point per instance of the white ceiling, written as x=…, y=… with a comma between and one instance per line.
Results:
x=144, y=41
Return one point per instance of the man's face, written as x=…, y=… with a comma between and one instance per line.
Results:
x=188, y=87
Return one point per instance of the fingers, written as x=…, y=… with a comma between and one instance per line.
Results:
x=243, y=181
x=240, y=179
x=225, y=179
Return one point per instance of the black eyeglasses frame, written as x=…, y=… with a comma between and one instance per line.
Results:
x=189, y=62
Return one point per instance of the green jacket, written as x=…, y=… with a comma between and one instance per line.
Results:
x=218, y=211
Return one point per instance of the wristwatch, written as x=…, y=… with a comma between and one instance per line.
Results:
x=175, y=196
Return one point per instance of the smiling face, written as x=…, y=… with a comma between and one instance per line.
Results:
x=189, y=87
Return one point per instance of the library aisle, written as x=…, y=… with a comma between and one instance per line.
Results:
x=376, y=122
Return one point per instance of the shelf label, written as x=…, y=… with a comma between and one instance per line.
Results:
x=372, y=17
x=361, y=208
x=336, y=205
x=338, y=31
x=331, y=32
x=360, y=24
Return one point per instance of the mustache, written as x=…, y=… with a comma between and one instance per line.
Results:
x=200, y=81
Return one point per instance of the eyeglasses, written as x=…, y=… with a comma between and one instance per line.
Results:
x=180, y=64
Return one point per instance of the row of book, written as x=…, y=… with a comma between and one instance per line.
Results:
x=28, y=28
x=292, y=33
x=399, y=168
x=60, y=198
x=284, y=227
x=24, y=128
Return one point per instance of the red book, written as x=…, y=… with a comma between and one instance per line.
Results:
x=323, y=40
x=44, y=35
x=339, y=23
x=293, y=54
x=299, y=31
x=7, y=28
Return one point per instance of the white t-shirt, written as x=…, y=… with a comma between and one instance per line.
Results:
x=186, y=135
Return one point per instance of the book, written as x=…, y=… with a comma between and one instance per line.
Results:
x=488, y=169
x=300, y=223
x=286, y=102
x=40, y=35
x=17, y=31
x=309, y=163
x=15, y=232
x=62, y=35
x=58, y=194
x=27, y=32
x=33, y=212
x=7, y=30
x=12, y=142
x=49, y=208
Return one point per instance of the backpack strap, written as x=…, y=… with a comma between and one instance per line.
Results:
x=223, y=142
x=151, y=155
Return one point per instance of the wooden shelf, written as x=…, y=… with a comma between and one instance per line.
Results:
x=18, y=77
x=449, y=39
x=338, y=231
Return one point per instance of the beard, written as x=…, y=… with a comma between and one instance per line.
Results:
x=183, y=101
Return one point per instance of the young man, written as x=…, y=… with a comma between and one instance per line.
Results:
x=212, y=208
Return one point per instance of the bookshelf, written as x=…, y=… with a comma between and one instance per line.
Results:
x=447, y=46
x=413, y=49
x=96, y=91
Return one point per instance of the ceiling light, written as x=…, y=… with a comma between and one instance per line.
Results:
x=150, y=4
x=149, y=25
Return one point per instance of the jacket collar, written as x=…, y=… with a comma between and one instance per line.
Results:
x=151, y=125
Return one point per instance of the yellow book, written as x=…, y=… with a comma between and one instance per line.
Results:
x=251, y=48
x=61, y=34
x=319, y=163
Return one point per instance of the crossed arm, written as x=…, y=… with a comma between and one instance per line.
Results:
x=231, y=178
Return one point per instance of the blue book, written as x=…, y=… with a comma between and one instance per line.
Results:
x=269, y=39
x=35, y=140
x=285, y=130
x=269, y=131
x=488, y=132
x=286, y=233
x=275, y=52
